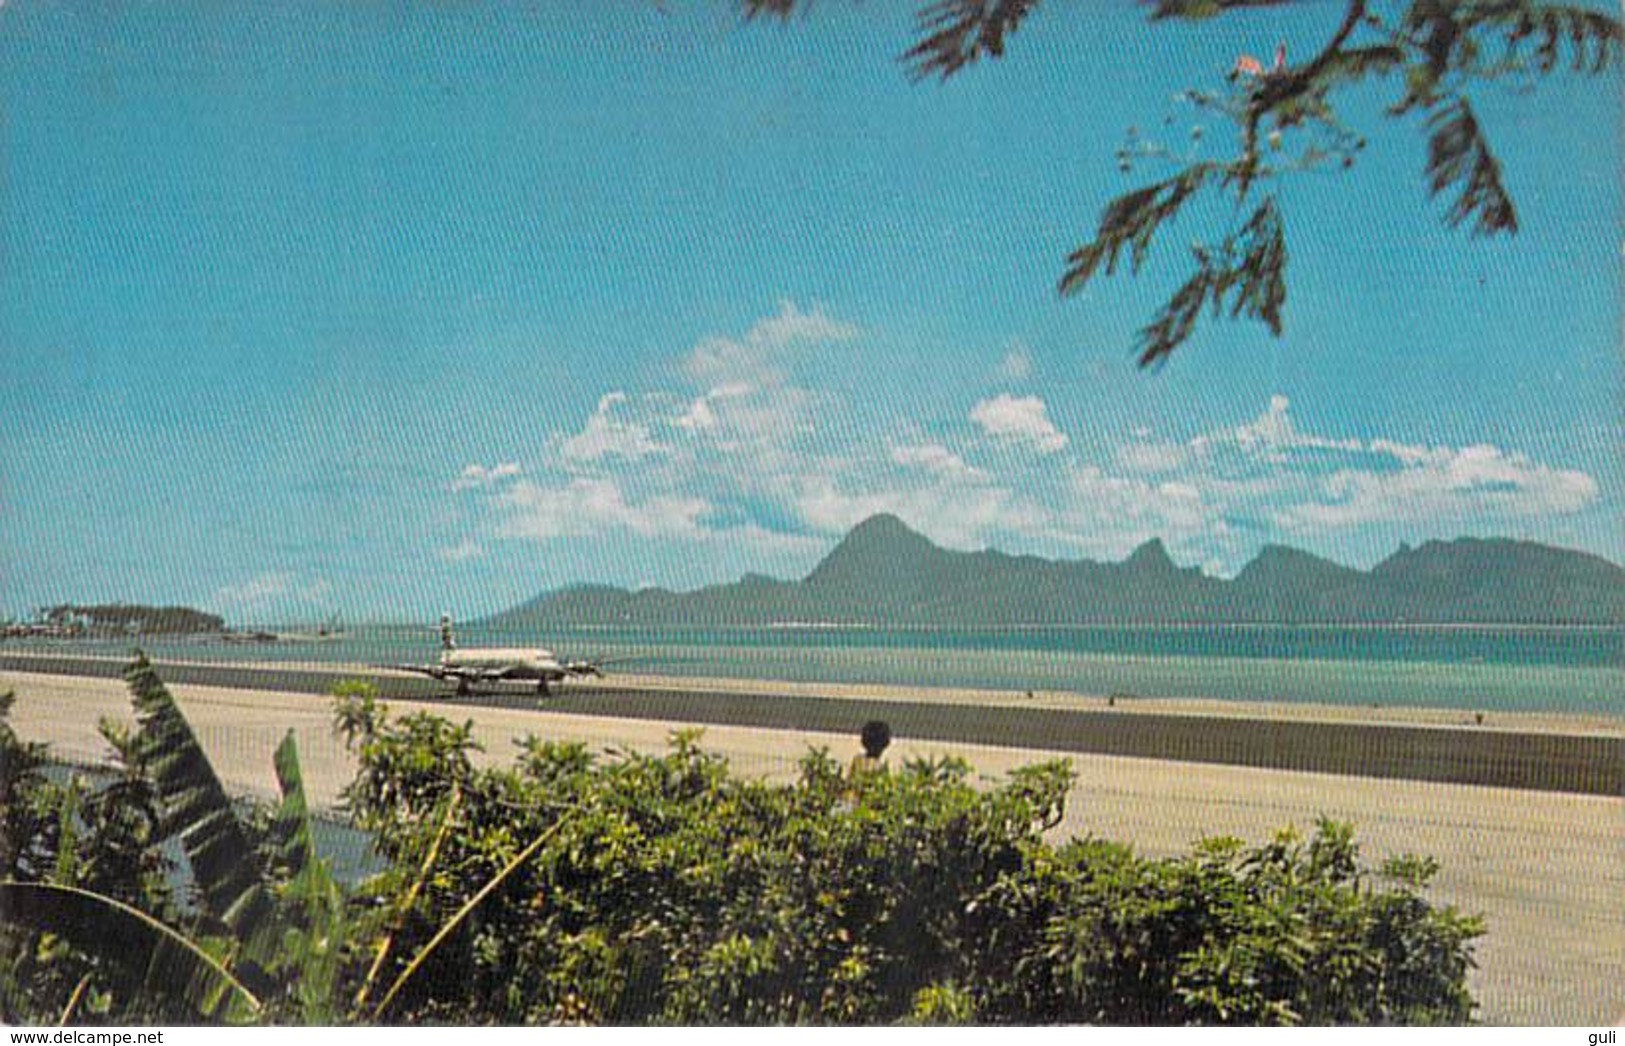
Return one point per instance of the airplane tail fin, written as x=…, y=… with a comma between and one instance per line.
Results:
x=448, y=641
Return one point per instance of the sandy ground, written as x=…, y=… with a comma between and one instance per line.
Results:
x=1546, y=870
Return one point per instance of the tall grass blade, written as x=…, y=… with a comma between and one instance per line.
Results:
x=462, y=913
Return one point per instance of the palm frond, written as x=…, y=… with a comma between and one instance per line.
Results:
x=307, y=937
x=290, y=833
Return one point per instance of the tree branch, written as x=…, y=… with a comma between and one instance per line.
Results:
x=1289, y=83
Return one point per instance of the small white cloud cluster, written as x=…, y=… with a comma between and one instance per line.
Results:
x=478, y=477
x=1017, y=364
x=702, y=413
x=607, y=436
x=758, y=357
x=1019, y=419
x=587, y=505
x=462, y=552
x=1271, y=469
x=1444, y=484
x=936, y=460
x=281, y=594
x=1273, y=435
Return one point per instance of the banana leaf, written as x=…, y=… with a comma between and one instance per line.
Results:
x=141, y=948
x=196, y=809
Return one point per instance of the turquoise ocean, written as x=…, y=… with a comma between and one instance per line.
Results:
x=1478, y=668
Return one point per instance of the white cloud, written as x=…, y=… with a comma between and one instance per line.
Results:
x=792, y=325
x=757, y=357
x=1477, y=483
x=702, y=415
x=606, y=436
x=726, y=467
x=1410, y=455
x=477, y=477
x=955, y=515
x=1316, y=481
x=1153, y=456
x=600, y=509
x=279, y=592
x=1278, y=477
x=935, y=459
x=1019, y=419
x=1017, y=364
x=462, y=552
x=1112, y=514
x=585, y=506
x=1273, y=434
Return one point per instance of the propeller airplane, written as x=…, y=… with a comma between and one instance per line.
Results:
x=469, y=666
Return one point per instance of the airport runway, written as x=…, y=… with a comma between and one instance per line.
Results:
x=1580, y=763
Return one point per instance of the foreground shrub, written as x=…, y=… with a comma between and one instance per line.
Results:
x=673, y=891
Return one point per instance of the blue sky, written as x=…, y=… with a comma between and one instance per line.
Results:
x=385, y=308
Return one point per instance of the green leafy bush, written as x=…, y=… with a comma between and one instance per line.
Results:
x=675, y=891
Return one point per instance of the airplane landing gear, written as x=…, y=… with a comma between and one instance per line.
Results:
x=542, y=689
x=463, y=688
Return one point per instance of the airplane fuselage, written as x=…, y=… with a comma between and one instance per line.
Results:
x=506, y=662
x=468, y=666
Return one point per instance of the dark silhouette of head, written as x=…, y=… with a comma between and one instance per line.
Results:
x=876, y=736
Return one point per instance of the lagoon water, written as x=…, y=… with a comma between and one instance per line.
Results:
x=1481, y=668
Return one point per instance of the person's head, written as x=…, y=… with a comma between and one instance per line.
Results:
x=876, y=736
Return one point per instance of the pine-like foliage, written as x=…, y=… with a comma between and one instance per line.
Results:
x=1440, y=46
x=1199, y=9
x=1458, y=154
x=954, y=33
x=1246, y=276
x=1130, y=221
x=1287, y=119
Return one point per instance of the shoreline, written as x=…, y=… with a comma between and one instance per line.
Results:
x=1599, y=724
x=1568, y=723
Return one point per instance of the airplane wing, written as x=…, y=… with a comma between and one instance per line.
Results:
x=433, y=671
x=473, y=675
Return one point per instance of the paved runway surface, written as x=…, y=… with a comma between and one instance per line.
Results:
x=1458, y=755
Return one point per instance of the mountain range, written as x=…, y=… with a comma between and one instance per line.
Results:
x=885, y=574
